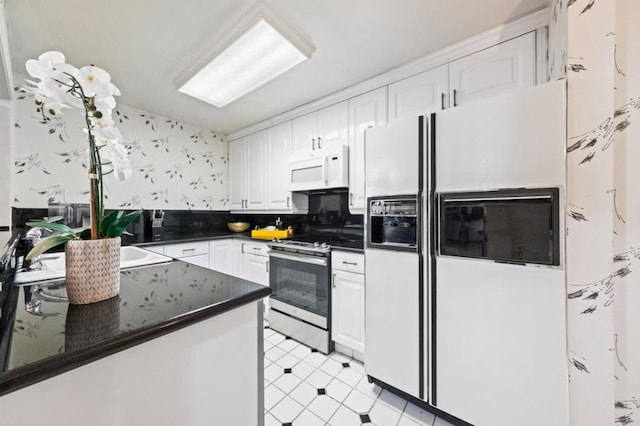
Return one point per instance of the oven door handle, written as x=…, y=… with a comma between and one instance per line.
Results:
x=320, y=261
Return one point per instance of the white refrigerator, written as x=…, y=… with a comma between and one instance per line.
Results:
x=397, y=158
x=480, y=339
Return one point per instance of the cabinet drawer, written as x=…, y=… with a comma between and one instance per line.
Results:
x=187, y=249
x=155, y=249
x=256, y=248
x=347, y=261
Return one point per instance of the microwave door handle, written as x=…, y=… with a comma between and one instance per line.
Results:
x=498, y=198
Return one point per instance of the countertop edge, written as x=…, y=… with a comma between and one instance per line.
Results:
x=39, y=371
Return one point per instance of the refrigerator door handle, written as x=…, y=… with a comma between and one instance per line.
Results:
x=436, y=223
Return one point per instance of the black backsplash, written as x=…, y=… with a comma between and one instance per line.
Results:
x=328, y=213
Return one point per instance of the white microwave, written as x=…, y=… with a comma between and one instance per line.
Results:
x=330, y=170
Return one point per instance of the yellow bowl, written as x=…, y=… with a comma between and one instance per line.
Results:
x=238, y=226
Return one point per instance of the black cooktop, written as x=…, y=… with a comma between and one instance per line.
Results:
x=355, y=241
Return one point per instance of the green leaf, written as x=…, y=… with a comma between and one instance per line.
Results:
x=85, y=234
x=108, y=220
x=47, y=243
x=55, y=227
x=120, y=224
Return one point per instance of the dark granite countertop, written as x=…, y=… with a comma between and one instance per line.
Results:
x=171, y=236
x=154, y=300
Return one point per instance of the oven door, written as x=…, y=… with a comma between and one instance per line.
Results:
x=300, y=286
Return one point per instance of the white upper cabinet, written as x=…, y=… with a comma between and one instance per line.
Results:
x=367, y=110
x=494, y=70
x=319, y=132
x=420, y=94
x=237, y=169
x=247, y=167
x=278, y=152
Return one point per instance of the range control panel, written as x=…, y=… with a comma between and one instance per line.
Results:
x=407, y=207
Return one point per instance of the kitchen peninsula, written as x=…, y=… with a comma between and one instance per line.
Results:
x=181, y=344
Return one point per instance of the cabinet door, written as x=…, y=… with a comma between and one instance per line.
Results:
x=238, y=268
x=255, y=171
x=278, y=151
x=258, y=268
x=367, y=110
x=202, y=260
x=220, y=255
x=494, y=70
x=333, y=124
x=420, y=94
x=304, y=133
x=348, y=310
x=155, y=249
x=236, y=174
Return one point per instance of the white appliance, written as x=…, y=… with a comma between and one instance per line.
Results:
x=329, y=170
x=471, y=327
x=397, y=158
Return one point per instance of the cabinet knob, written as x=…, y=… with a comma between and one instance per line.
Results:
x=288, y=199
x=333, y=280
x=344, y=262
x=351, y=198
x=455, y=97
x=313, y=143
x=319, y=139
x=442, y=100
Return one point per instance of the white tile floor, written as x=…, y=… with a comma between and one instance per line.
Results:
x=305, y=388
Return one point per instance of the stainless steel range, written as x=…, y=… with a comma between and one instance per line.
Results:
x=301, y=300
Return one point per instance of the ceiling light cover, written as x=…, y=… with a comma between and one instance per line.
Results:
x=255, y=57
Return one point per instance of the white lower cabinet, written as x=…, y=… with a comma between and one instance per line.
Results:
x=347, y=300
x=250, y=260
x=256, y=261
x=155, y=249
x=220, y=255
x=196, y=252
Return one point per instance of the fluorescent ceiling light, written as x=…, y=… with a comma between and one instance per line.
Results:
x=259, y=49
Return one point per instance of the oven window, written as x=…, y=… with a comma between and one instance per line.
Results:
x=504, y=226
x=299, y=284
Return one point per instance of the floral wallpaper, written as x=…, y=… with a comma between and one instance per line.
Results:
x=175, y=165
x=603, y=225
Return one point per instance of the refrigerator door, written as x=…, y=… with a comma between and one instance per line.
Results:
x=392, y=319
x=499, y=330
x=392, y=157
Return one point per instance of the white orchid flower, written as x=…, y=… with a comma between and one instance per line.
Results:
x=96, y=81
x=119, y=162
x=52, y=96
x=50, y=65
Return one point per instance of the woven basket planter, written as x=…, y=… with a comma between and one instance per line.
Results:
x=92, y=270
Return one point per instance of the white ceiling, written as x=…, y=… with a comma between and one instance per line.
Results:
x=146, y=45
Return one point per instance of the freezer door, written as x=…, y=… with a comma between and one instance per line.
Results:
x=511, y=141
x=392, y=319
x=393, y=157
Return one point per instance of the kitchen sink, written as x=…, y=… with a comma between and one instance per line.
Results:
x=53, y=264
